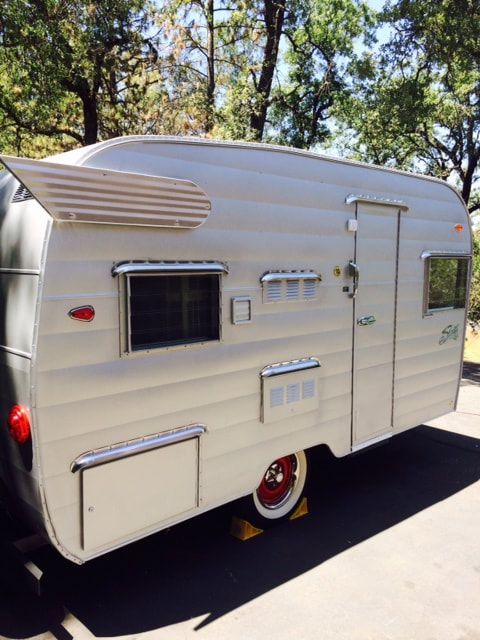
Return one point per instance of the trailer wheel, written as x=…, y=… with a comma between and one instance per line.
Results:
x=281, y=488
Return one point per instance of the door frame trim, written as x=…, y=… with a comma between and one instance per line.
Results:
x=369, y=443
x=401, y=207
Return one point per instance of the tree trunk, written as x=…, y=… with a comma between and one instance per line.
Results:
x=211, y=67
x=90, y=119
x=468, y=178
x=274, y=17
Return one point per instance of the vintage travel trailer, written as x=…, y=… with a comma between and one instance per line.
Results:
x=183, y=320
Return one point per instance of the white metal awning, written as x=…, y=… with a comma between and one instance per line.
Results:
x=86, y=194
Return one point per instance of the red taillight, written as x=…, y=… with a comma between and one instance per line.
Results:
x=19, y=423
x=84, y=314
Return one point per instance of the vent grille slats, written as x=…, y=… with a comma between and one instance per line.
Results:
x=293, y=392
x=241, y=310
x=293, y=289
x=21, y=194
x=290, y=287
x=309, y=289
x=276, y=397
x=274, y=291
x=308, y=389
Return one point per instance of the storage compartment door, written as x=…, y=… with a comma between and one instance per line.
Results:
x=124, y=497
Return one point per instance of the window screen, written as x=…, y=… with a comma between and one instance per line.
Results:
x=168, y=310
x=447, y=283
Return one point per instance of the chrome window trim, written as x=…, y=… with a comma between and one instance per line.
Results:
x=275, y=276
x=153, y=268
x=127, y=270
x=129, y=314
x=129, y=448
x=425, y=256
x=445, y=254
x=289, y=367
x=371, y=199
x=182, y=345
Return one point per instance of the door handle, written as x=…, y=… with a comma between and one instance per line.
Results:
x=355, y=273
x=366, y=321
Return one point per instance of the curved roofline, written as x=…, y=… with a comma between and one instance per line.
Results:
x=93, y=149
x=81, y=155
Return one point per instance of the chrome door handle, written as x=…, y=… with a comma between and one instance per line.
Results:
x=355, y=273
x=366, y=321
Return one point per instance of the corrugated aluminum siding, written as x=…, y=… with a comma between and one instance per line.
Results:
x=270, y=211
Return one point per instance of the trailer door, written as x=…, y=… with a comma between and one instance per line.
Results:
x=374, y=292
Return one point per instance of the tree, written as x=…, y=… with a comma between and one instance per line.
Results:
x=321, y=37
x=416, y=104
x=61, y=63
x=474, y=308
x=292, y=68
x=75, y=72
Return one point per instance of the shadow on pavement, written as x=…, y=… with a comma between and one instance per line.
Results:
x=471, y=372
x=196, y=569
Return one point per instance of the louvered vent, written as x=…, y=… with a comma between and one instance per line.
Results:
x=276, y=397
x=309, y=289
x=292, y=393
x=241, y=310
x=22, y=194
x=292, y=286
x=275, y=291
x=289, y=388
x=293, y=289
x=308, y=389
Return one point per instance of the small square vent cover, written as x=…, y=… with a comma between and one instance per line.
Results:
x=241, y=310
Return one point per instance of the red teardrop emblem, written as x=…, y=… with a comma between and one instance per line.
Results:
x=84, y=314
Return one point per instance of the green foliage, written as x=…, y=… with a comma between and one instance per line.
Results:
x=76, y=72
x=447, y=283
x=415, y=103
x=71, y=71
x=320, y=38
x=474, y=309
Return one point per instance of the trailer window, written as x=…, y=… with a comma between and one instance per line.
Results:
x=446, y=283
x=166, y=310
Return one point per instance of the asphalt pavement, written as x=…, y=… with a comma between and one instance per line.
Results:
x=389, y=551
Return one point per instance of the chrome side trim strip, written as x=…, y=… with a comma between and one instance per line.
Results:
x=289, y=367
x=139, y=445
x=16, y=352
x=272, y=276
x=27, y=272
x=368, y=443
x=445, y=254
x=370, y=199
x=168, y=267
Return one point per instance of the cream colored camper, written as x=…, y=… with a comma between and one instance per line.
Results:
x=183, y=320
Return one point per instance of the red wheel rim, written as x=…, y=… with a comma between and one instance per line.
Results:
x=277, y=482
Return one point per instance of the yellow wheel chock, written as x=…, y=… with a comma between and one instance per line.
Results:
x=244, y=530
